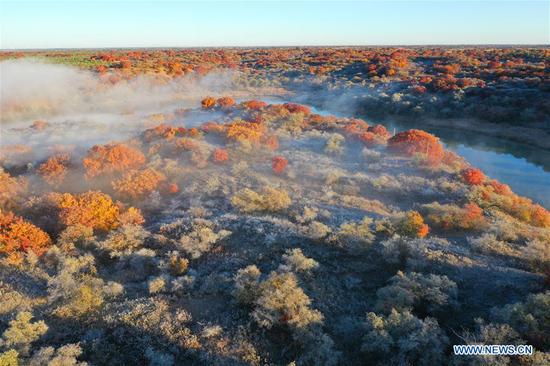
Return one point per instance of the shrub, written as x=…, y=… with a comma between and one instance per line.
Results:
x=10, y=189
x=254, y=104
x=472, y=176
x=124, y=240
x=200, y=238
x=75, y=236
x=521, y=208
x=407, y=253
x=528, y=318
x=225, y=102
x=270, y=200
x=316, y=230
x=489, y=334
x=112, y=158
x=537, y=254
x=132, y=216
x=402, y=338
x=93, y=209
x=54, y=170
x=374, y=135
x=63, y=356
x=282, y=302
x=334, y=144
x=540, y=216
x=9, y=358
x=241, y=131
x=138, y=183
x=413, y=142
x=156, y=285
x=500, y=188
x=75, y=291
x=247, y=289
x=424, y=294
x=220, y=156
x=297, y=108
x=177, y=265
x=294, y=260
x=154, y=317
x=356, y=235
x=208, y=103
x=271, y=142
x=18, y=237
x=21, y=333
x=412, y=224
x=278, y=164
x=452, y=217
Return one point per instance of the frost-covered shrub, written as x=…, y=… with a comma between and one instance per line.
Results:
x=63, y=356
x=355, y=236
x=489, y=244
x=402, y=338
x=211, y=331
x=283, y=302
x=22, y=332
x=269, y=200
x=75, y=237
x=404, y=252
x=318, y=348
x=139, y=265
x=537, y=254
x=124, y=240
x=13, y=301
x=247, y=285
x=156, y=284
x=153, y=318
x=294, y=260
x=416, y=291
x=488, y=334
x=334, y=144
x=308, y=215
x=182, y=284
x=316, y=230
x=528, y=318
x=75, y=290
x=371, y=156
x=175, y=264
x=201, y=238
x=504, y=229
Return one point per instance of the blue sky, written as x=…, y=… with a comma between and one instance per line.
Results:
x=49, y=24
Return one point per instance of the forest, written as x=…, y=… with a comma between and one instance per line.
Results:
x=240, y=206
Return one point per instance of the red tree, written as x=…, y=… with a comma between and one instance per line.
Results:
x=279, y=164
x=413, y=142
x=472, y=176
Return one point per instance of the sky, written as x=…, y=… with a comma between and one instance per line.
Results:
x=95, y=24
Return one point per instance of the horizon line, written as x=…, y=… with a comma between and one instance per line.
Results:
x=537, y=45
